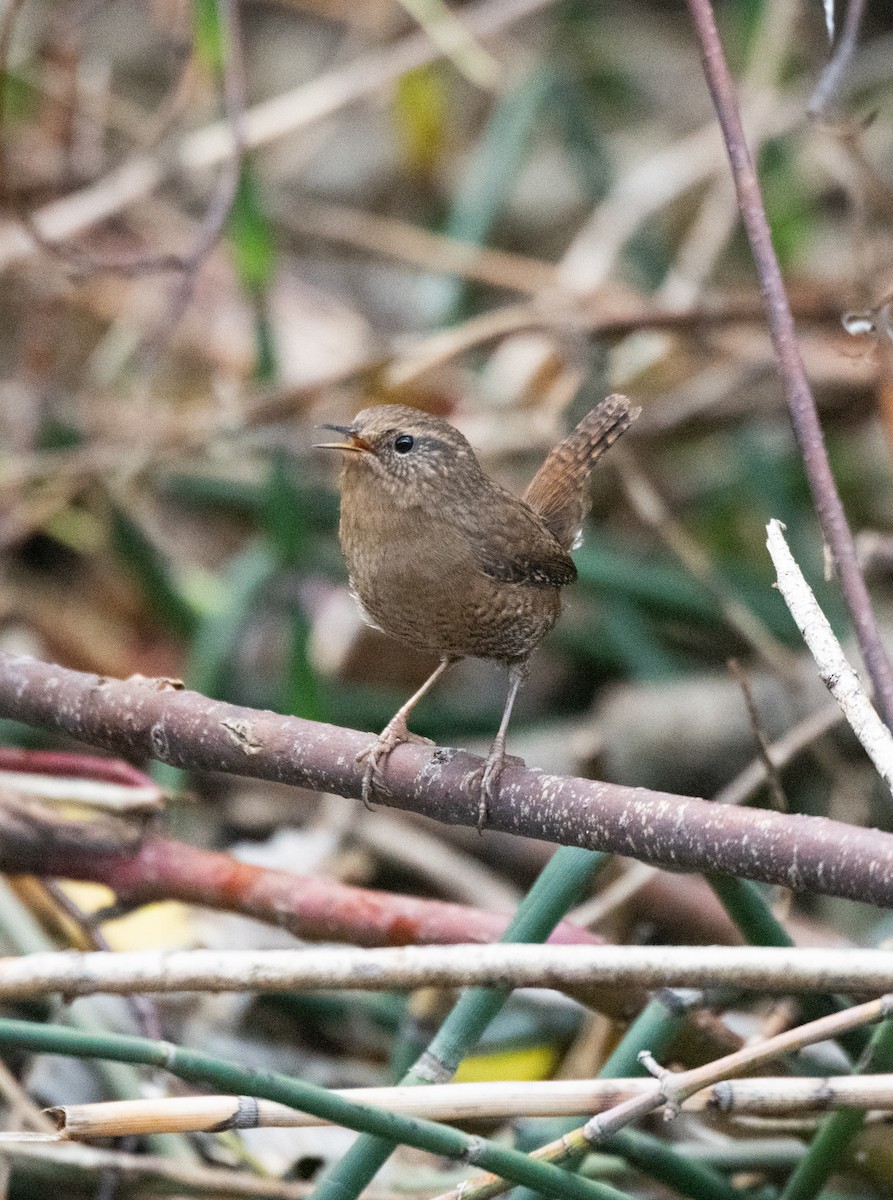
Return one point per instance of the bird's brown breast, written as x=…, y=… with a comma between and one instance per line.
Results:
x=485, y=585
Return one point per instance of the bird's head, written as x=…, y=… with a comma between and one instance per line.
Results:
x=408, y=454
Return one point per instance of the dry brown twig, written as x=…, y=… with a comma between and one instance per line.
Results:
x=455, y=1102
x=265, y=122
x=797, y=739
x=671, y=1089
x=761, y=738
x=152, y=1171
x=83, y=262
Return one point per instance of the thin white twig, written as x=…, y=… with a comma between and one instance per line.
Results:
x=780, y=969
x=838, y=675
x=95, y=793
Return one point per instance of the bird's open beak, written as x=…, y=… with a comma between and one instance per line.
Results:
x=354, y=442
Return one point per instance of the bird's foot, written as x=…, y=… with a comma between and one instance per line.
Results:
x=485, y=781
x=394, y=734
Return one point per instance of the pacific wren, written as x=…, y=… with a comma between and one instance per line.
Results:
x=445, y=559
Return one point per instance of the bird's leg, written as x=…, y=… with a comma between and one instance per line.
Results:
x=393, y=734
x=489, y=776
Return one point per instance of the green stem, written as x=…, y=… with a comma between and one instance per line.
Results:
x=28, y=937
x=830, y=1147
x=653, y=1029
x=559, y=886
x=746, y=905
x=195, y=1067
x=660, y=1161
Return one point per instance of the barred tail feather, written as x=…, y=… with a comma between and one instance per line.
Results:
x=558, y=492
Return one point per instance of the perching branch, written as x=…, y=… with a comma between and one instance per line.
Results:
x=141, y=718
x=801, y=402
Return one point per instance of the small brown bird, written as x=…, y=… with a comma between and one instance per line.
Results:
x=445, y=559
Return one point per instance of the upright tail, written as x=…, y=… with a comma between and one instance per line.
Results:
x=558, y=492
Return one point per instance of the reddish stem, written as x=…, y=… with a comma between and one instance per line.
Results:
x=72, y=766
x=309, y=906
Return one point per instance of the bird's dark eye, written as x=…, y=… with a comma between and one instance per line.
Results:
x=404, y=443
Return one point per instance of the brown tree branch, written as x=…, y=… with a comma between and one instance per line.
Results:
x=801, y=402
x=149, y=718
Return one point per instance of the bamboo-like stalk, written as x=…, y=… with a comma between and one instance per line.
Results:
x=672, y=1089
x=196, y=1067
x=767, y=1096
x=556, y=890
x=778, y=969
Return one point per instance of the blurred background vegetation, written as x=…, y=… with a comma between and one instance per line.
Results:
x=495, y=234
x=161, y=509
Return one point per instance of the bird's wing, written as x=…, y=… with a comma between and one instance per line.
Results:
x=511, y=544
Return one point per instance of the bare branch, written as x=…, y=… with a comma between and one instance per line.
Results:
x=142, y=718
x=769, y=1095
x=801, y=402
x=781, y=970
x=837, y=674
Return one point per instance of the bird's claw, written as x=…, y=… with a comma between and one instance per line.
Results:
x=373, y=781
x=485, y=781
x=392, y=736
